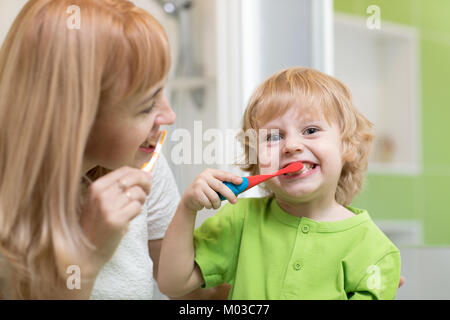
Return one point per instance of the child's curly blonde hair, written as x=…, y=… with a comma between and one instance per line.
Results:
x=315, y=92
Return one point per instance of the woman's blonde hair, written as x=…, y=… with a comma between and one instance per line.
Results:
x=318, y=94
x=53, y=80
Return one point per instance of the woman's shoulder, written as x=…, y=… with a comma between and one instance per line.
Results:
x=164, y=186
x=162, y=171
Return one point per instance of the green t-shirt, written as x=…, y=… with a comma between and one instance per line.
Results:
x=266, y=253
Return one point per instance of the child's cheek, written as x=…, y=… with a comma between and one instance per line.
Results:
x=268, y=160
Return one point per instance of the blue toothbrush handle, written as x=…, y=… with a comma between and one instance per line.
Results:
x=236, y=188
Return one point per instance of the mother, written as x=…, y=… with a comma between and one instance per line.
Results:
x=77, y=106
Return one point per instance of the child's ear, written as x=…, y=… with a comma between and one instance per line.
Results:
x=348, y=157
x=349, y=153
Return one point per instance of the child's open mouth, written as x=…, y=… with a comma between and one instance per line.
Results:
x=308, y=169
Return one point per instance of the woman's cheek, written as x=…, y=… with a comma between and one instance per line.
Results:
x=120, y=147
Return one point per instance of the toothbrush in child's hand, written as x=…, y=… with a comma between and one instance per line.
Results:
x=148, y=166
x=251, y=181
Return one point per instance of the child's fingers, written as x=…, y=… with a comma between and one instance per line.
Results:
x=213, y=197
x=204, y=200
x=226, y=176
x=221, y=188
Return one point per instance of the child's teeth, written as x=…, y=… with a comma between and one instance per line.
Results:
x=307, y=166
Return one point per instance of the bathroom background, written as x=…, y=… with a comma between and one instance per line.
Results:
x=394, y=56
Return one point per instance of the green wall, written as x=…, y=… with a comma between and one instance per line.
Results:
x=425, y=197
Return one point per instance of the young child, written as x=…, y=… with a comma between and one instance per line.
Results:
x=303, y=241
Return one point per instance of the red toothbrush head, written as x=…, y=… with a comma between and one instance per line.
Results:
x=292, y=167
x=255, y=180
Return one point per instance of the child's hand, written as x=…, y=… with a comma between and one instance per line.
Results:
x=202, y=193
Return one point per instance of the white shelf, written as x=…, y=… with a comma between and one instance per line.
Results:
x=381, y=68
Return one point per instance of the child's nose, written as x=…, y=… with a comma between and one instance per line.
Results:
x=292, y=146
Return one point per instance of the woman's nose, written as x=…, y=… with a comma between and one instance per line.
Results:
x=166, y=115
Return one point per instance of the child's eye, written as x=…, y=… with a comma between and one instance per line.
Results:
x=311, y=130
x=273, y=137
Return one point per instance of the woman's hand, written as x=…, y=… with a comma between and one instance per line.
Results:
x=112, y=201
x=202, y=193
